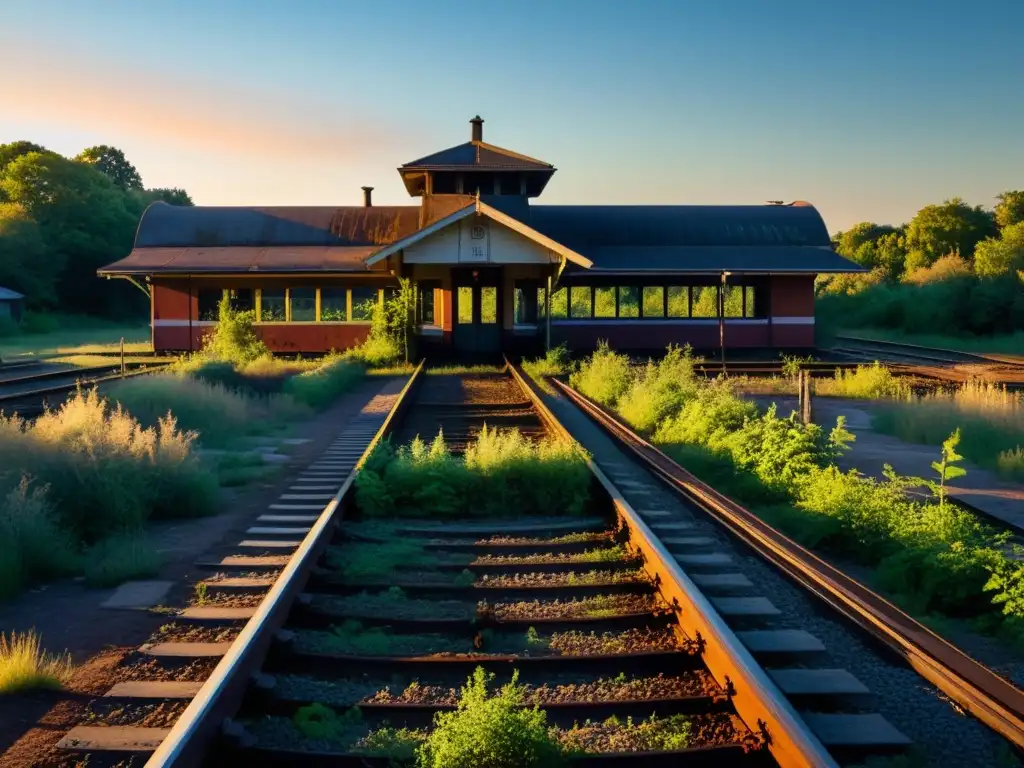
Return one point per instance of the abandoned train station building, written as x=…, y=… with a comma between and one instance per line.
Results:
x=492, y=271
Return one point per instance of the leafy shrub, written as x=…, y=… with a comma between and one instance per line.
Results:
x=604, y=376
x=496, y=731
x=120, y=558
x=24, y=665
x=234, y=337
x=501, y=471
x=319, y=387
x=554, y=363
x=104, y=470
x=33, y=547
x=660, y=388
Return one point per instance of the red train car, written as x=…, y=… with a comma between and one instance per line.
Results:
x=493, y=271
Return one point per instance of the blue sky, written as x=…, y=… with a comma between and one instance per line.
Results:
x=868, y=109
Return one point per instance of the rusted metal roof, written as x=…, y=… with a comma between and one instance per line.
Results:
x=164, y=225
x=477, y=156
x=243, y=259
x=714, y=259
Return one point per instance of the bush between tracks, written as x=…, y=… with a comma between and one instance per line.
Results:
x=501, y=472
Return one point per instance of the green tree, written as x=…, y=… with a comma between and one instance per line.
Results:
x=85, y=222
x=1010, y=209
x=1002, y=255
x=171, y=195
x=858, y=241
x=952, y=227
x=24, y=263
x=11, y=152
x=111, y=162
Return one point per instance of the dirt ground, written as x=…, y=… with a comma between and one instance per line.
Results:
x=69, y=616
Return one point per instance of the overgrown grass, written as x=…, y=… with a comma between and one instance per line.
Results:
x=868, y=382
x=990, y=418
x=604, y=376
x=120, y=558
x=48, y=335
x=24, y=665
x=33, y=546
x=320, y=386
x=930, y=554
x=501, y=472
x=234, y=469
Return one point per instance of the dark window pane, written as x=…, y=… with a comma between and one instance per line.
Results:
x=272, y=305
x=604, y=302
x=488, y=304
x=705, y=301
x=242, y=299
x=629, y=302
x=525, y=303
x=363, y=302
x=209, y=299
x=732, y=300
x=303, y=303
x=510, y=184
x=559, y=304
x=333, y=305
x=678, y=301
x=465, y=302
x=425, y=305
x=579, y=301
x=654, y=301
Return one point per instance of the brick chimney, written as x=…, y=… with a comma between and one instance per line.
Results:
x=478, y=128
x=367, y=197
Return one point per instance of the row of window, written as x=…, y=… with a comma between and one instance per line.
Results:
x=634, y=302
x=295, y=305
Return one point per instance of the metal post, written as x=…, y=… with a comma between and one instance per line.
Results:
x=800, y=392
x=122, y=357
x=547, y=316
x=721, y=318
x=808, y=404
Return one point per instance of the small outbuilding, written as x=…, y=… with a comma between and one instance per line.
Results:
x=12, y=304
x=493, y=270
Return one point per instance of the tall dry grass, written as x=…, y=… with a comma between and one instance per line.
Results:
x=24, y=665
x=990, y=418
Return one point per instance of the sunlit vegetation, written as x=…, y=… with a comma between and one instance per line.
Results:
x=990, y=418
x=501, y=472
x=866, y=382
x=930, y=554
x=25, y=665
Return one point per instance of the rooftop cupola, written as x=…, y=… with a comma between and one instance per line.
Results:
x=476, y=167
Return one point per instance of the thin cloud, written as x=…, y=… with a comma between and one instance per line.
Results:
x=89, y=96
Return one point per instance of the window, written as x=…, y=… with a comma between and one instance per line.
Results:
x=272, y=305
x=559, y=304
x=488, y=304
x=579, y=301
x=749, y=307
x=333, y=305
x=526, y=298
x=732, y=300
x=363, y=303
x=629, y=302
x=678, y=301
x=705, y=301
x=604, y=302
x=302, y=302
x=464, y=299
x=425, y=304
x=209, y=300
x=654, y=301
x=242, y=299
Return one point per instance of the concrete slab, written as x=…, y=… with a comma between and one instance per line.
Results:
x=295, y=441
x=711, y=560
x=276, y=458
x=299, y=507
x=268, y=530
x=817, y=682
x=744, y=606
x=287, y=518
x=871, y=730
x=138, y=595
x=306, y=496
x=217, y=613
x=267, y=544
x=240, y=584
x=244, y=563
x=185, y=650
x=314, y=487
x=721, y=581
x=780, y=641
x=154, y=689
x=689, y=541
x=112, y=738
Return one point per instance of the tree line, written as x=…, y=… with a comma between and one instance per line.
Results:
x=954, y=268
x=62, y=218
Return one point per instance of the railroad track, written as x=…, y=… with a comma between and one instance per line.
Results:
x=670, y=615
x=30, y=394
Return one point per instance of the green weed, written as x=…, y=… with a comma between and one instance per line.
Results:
x=866, y=382
x=24, y=665
x=33, y=546
x=603, y=377
x=120, y=558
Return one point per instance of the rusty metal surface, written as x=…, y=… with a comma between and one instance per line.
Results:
x=243, y=259
x=223, y=692
x=756, y=698
x=977, y=689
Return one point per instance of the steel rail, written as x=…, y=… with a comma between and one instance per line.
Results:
x=222, y=693
x=932, y=353
x=755, y=696
x=58, y=388
x=974, y=687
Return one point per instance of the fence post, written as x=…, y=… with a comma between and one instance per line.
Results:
x=800, y=391
x=122, y=357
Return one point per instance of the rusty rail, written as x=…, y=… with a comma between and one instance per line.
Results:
x=756, y=698
x=976, y=688
x=222, y=693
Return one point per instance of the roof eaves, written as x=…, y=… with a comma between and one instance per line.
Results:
x=419, y=234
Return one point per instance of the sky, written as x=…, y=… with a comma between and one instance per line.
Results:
x=868, y=109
